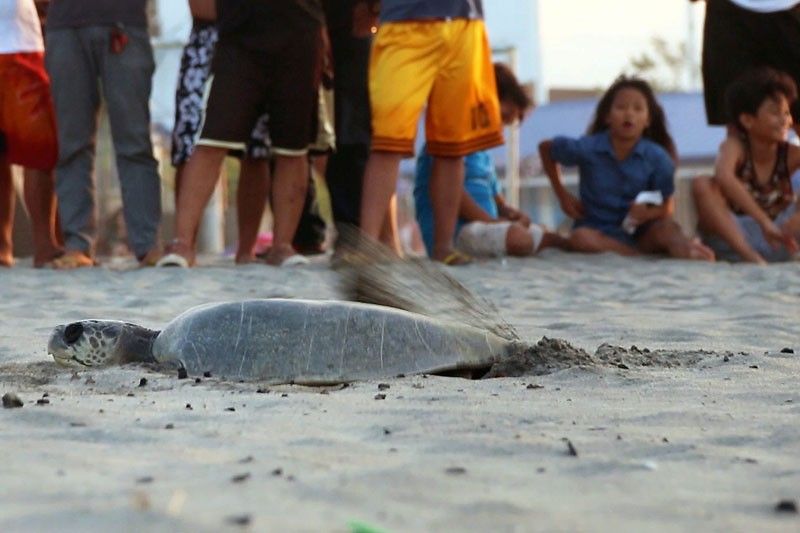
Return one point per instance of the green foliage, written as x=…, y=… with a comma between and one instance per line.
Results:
x=651, y=64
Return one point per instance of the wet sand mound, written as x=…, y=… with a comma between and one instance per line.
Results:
x=550, y=355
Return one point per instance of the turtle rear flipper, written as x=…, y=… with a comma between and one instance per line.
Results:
x=370, y=273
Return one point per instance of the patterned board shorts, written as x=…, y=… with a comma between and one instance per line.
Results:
x=189, y=104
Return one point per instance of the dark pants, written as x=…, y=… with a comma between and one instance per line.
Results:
x=82, y=69
x=736, y=39
x=310, y=234
x=345, y=172
x=344, y=176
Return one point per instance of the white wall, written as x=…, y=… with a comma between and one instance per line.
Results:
x=175, y=24
x=516, y=23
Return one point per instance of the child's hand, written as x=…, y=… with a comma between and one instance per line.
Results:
x=640, y=213
x=792, y=226
x=571, y=205
x=515, y=215
x=791, y=229
x=774, y=235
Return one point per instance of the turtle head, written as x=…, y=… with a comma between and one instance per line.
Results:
x=92, y=343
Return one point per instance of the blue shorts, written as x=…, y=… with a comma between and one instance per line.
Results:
x=752, y=232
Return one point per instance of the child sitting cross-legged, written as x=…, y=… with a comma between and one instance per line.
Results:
x=748, y=210
x=626, y=152
x=487, y=225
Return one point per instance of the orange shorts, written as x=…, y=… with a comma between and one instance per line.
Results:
x=28, y=135
x=444, y=64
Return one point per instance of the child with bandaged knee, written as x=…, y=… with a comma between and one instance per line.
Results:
x=487, y=226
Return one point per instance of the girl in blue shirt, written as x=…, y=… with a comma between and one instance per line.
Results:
x=626, y=151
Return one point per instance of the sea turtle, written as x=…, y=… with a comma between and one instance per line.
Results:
x=287, y=340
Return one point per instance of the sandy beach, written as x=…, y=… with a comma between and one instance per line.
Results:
x=696, y=428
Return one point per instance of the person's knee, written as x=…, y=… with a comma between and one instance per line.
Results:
x=664, y=230
x=702, y=186
x=519, y=241
x=291, y=171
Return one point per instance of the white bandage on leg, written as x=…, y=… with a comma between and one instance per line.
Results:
x=483, y=238
x=537, y=234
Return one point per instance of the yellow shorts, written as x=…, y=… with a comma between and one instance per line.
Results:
x=446, y=65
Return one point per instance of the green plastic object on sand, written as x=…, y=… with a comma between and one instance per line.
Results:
x=356, y=526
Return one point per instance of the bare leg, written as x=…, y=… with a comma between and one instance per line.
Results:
x=320, y=164
x=180, y=170
x=519, y=241
x=380, y=183
x=251, y=199
x=593, y=241
x=446, y=185
x=199, y=178
x=40, y=199
x=715, y=217
x=665, y=235
x=554, y=240
x=288, y=195
x=390, y=235
x=6, y=213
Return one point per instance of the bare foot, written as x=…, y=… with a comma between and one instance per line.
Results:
x=246, y=258
x=6, y=260
x=151, y=258
x=700, y=252
x=177, y=254
x=71, y=260
x=284, y=256
x=44, y=259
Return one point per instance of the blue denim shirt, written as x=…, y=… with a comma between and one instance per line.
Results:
x=608, y=186
x=480, y=182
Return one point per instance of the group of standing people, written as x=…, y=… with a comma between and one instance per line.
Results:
x=253, y=82
x=94, y=52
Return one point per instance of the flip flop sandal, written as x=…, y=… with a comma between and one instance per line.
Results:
x=294, y=261
x=456, y=258
x=173, y=260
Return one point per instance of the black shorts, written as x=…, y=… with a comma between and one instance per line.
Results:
x=192, y=78
x=736, y=39
x=278, y=75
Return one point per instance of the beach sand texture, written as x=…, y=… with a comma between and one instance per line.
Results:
x=706, y=436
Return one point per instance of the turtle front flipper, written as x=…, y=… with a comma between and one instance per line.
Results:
x=171, y=366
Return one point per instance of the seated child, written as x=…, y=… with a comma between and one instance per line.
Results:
x=627, y=151
x=748, y=208
x=487, y=226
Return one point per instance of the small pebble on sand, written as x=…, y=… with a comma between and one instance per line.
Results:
x=786, y=506
x=11, y=401
x=239, y=520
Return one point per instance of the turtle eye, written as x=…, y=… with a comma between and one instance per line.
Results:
x=73, y=332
